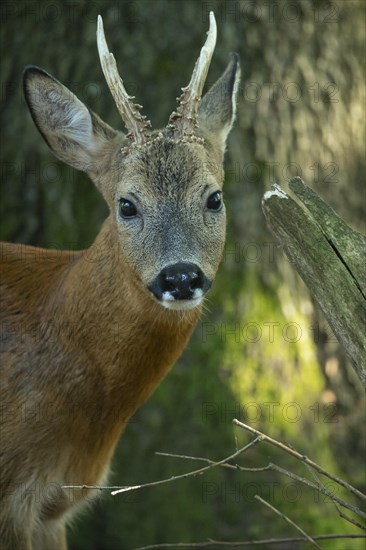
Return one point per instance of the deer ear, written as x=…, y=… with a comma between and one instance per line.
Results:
x=75, y=134
x=217, y=109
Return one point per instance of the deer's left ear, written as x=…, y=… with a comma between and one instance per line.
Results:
x=75, y=134
x=217, y=109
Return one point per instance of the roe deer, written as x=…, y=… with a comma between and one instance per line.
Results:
x=78, y=333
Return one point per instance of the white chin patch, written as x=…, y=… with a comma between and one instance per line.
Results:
x=170, y=302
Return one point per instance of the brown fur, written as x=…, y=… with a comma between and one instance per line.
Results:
x=84, y=342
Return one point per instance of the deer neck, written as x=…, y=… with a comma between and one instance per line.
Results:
x=116, y=330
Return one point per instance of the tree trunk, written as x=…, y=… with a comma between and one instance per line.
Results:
x=330, y=258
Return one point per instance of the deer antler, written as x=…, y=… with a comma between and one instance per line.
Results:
x=183, y=121
x=137, y=125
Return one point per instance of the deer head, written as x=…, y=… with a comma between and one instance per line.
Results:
x=164, y=187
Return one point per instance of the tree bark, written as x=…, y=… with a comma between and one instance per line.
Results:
x=330, y=258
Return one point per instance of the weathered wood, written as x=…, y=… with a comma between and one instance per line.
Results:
x=330, y=258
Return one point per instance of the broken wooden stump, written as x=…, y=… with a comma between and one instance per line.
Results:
x=330, y=258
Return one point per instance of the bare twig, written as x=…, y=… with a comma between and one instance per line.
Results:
x=209, y=461
x=286, y=518
x=335, y=500
x=211, y=542
x=319, y=486
x=303, y=458
x=273, y=467
x=348, y=518
x=200, y=471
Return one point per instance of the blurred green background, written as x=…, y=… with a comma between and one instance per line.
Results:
x=262, y=352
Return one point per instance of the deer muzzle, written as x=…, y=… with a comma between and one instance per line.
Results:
x=180, y=286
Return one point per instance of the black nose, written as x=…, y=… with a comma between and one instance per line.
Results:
x=180, y=280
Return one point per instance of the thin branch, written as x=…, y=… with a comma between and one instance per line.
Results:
x=224, y=463
x=286, y=518
x=319, y=486
x=334, y=500
x=273, y=467
x=209, y=461
x=211, y=542
x=303, y=458
x=348, y=518
x=200, y=471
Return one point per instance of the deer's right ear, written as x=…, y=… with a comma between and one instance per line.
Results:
x=75, y=134
x=217, y=109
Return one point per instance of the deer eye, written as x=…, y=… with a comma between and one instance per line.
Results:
x=127, y=209
x=214, y=201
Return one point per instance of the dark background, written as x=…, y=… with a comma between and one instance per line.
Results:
x=262, y=352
